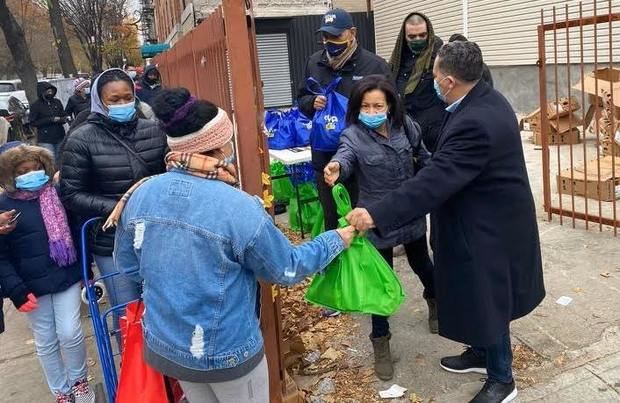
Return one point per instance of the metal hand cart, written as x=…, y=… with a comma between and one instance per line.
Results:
x=100, y=325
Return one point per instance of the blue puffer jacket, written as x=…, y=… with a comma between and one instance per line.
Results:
x=25, y=263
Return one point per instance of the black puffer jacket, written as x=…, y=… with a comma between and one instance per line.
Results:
x=42, y=114
x=97, y=170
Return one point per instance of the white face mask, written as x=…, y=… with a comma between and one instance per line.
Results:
x=87, y=91
x=132, y=74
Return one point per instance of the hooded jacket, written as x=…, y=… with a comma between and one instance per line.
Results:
x=97, y=169
x=77, y=104
x=148, y=89
x=42, y=114
x=25, y=263
x=422, y=104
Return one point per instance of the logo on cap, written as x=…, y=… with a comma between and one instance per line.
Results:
x=330, y=18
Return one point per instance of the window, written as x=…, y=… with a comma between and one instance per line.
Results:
x=7, y=87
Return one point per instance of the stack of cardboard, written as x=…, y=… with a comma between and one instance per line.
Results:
x=563, y=122
x=589, y=184
x=596, y=84
x=609, y=128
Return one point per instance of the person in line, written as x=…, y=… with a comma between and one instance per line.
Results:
x=382, y=147
x=200, y=244
x=486, y=72
x=412, y=69
x=102, y=159
x=48, y=116
x=341, y=56
x=40, y=272
x=150, y=84
x=80, y=100
x=487, y=250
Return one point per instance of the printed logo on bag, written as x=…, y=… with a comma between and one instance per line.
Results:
x=308, y=125
x=330, y=18
x=270, y=133
x=330, y=122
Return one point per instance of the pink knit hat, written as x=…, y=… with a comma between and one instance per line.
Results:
x=80, y=84
x=215, y=134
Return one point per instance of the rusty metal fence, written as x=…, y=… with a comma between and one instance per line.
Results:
x=217, y=61
x=579, y=49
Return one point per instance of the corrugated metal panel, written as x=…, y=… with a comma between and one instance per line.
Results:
x=445, y=15
x=274, y=69
x=507, y=31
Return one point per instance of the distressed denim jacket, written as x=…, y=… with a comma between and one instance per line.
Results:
x=199, y=246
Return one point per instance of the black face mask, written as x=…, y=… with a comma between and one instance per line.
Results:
x=48, y=96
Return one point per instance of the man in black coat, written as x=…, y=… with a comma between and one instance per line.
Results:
x=488, y=268
x=48, y=116
x=486, y=72
x=341, y=57
x=150, y=85
x=412, y=69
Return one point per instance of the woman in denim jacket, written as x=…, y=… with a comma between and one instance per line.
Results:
x=200, y=244
x=382, y=147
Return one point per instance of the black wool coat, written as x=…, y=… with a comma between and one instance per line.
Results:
x=488, y=268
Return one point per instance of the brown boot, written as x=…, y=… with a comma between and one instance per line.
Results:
x=433, y=323
x=384, y=367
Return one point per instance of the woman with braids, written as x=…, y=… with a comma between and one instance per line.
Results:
x=102, y=159
x=200, y=244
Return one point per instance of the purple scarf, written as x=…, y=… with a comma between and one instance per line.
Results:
x=62, y=249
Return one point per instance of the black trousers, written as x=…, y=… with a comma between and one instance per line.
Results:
x=327, y=200
x=420, y=262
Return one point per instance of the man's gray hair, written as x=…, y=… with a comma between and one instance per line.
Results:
x=416, y=19
x=462, y=60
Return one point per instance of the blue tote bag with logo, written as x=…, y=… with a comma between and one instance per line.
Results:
x=280, y=130
x=328, y=124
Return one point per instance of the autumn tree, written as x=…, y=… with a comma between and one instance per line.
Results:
x=62, y=43
x=16, y=42
x=123, y=45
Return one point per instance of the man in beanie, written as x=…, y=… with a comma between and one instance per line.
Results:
x=199, y=245
x=341, y=56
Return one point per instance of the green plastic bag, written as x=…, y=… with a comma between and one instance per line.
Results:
x=283, y=189
x=359, y=279
x=310, y=212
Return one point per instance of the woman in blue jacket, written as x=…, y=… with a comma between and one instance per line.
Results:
x=199, y=244
x=39, y=270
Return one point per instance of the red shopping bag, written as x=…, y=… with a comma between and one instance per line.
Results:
x=138, y=382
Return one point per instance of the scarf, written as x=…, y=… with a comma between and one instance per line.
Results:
x=338, y=62
x=423, y=61
x=198, y=165
x=62, y=248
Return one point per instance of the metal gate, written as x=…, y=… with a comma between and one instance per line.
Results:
x=217, y=61
x=579, y=49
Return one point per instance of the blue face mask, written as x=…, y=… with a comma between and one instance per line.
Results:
x=372, y=121
x=335, y=49
x=122, y=113
x=438, y=90
x=32, y=181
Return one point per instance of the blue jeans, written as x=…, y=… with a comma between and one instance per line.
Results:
x=58, y=338
x=499, y=359
x=53, y=148
x=120, y=288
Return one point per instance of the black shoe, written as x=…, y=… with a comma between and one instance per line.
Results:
x=496, y=392
x=469, y=361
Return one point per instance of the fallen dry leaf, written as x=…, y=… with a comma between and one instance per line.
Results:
x=606, y=274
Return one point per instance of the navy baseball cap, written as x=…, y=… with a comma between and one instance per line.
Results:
x=336, y=21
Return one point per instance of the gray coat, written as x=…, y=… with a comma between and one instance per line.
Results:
x=381, y=165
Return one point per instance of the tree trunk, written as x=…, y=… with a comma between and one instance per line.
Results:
x=62, y=44
x=16, y=42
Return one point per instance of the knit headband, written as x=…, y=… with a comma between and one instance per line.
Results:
x=215, y=134
x=180, y=113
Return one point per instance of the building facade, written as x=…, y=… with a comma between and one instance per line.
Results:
x=285, y=34
x=506, y=31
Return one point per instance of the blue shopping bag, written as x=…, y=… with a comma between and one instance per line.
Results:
x=302, y=126
x=328, y=123
x=280, y=131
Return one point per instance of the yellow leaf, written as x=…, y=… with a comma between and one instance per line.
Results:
x=267, y=199
x=266, y=178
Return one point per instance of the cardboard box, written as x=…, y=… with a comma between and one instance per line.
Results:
x=605, y=188
x=602, y=79
x=571, y=137
x=565, y=124
x=563, y=107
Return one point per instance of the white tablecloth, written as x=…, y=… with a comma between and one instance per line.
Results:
x=291, y=156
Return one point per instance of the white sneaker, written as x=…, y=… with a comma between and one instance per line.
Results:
x=83, y=392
